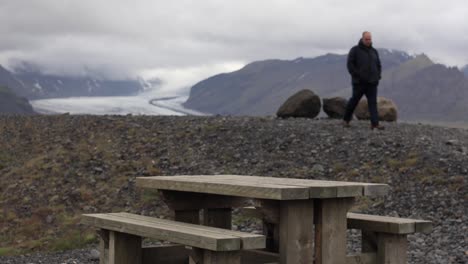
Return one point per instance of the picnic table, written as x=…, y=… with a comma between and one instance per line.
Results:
x=312, y=213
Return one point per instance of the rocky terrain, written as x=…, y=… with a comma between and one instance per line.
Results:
x=53, y=168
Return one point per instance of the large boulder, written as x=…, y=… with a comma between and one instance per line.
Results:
x=386, y=107
x=304, y=103
x=335, y=107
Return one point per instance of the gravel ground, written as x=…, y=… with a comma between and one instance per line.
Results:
x=425, y=166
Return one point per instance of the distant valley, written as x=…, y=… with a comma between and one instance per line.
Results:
x=27, y=84
x=423, y=90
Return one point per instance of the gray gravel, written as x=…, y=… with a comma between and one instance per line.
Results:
x=425, y=166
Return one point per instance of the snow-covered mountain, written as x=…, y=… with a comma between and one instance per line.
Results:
x=28, y=81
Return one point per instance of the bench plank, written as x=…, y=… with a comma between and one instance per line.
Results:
x=386, y=224
x=183, y=233
x=248, y=240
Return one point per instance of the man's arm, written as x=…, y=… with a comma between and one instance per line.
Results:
x=379, y=65
x=351, y=64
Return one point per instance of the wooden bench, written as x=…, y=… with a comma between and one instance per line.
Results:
x=121, y=240
x=384, y=239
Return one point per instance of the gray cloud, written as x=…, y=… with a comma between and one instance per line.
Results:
x=121, y=38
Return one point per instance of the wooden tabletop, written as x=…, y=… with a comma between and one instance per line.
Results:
x=262, y=187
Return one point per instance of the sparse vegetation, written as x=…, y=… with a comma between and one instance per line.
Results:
x=55, y=168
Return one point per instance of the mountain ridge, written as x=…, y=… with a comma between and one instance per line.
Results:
x=465, y=70
x=28, y=81
x=262, y=86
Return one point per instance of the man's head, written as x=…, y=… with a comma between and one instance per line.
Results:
x=367, y=38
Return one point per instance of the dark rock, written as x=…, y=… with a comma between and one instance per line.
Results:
x=386, y=107
x=304, y=103
x=335, y=107
x=94, y=254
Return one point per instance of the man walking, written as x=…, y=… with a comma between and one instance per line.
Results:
x=365, y=69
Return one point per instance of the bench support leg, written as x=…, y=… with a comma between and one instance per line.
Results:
x=269, y=212
x=124, y=248
x=330, y=228
x=369, y=242
x=271, y=232
x=103, y=246
x=391, y=248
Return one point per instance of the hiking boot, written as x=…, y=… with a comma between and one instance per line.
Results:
x=378, y=127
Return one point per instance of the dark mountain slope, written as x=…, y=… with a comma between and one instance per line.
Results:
x=260, y=87
x=12, y=104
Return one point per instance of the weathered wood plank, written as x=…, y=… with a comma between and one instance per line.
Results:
x=103, y=246
x=296, y=232
x=261, y=187
x=176, y=232
x=330, y=228
x=124, y=248
x=423, y=226
x=249, y=241
x=391, y=248
x=375, y=189
x=393, y=225
x=238, y=188
x=166, y=231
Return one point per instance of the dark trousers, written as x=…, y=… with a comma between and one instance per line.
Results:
x=370, y=90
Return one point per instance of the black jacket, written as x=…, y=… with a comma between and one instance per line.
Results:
x=364, y=64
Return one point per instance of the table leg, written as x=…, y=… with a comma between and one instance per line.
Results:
x=330, y=230
x=296, y=231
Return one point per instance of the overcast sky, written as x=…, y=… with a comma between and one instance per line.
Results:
x=182, y=39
